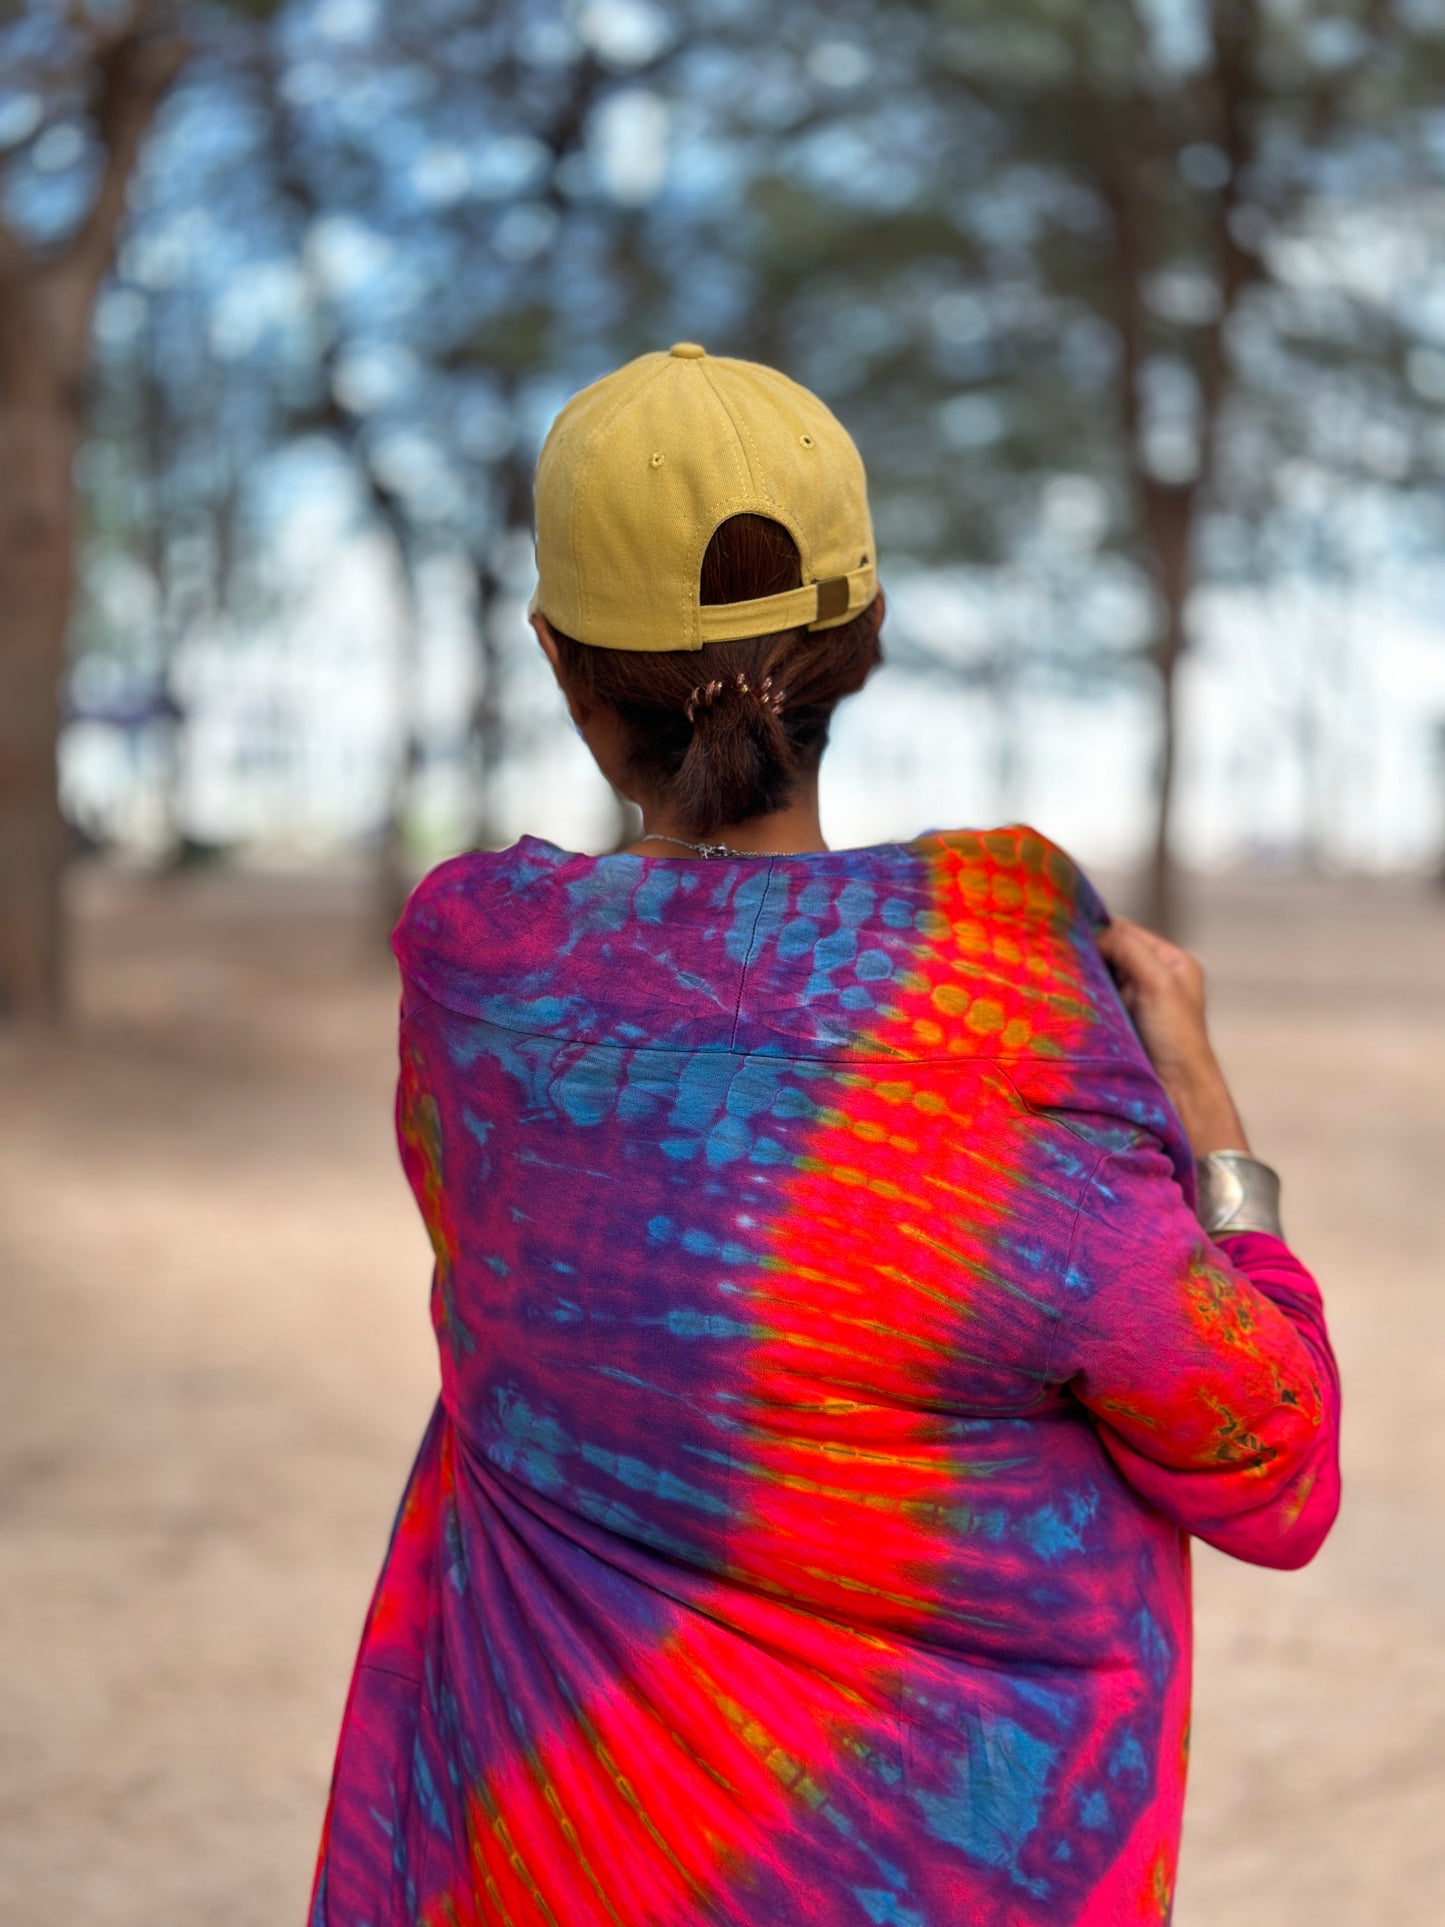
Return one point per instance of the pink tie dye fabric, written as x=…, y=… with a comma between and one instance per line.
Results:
x=832, y=1374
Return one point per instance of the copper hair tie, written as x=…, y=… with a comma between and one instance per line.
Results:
x=764, y=695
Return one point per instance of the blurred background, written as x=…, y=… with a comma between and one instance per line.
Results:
x=1136, y=310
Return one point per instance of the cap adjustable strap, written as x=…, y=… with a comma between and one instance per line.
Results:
x=830, y=600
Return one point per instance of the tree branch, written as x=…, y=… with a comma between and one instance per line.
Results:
x=133, y=74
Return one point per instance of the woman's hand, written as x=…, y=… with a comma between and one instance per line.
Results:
x=1162, y=988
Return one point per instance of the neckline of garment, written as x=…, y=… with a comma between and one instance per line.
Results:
x=913, y=847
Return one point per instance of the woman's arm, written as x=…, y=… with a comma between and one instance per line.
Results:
x=1161, y=985
x=1207, y=1364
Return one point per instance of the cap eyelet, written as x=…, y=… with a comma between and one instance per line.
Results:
x=806, y=440
x=654, y=461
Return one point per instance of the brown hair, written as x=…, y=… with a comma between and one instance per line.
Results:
x=738, y=757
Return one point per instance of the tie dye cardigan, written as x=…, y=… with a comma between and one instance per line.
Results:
x=832, y=1374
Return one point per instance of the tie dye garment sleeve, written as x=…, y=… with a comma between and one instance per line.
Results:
x=1206, y=1367
x=832, y=1374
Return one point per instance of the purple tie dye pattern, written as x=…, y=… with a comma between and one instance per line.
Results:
x=832, y=1372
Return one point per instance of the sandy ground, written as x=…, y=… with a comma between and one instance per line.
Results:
x=217, y=1364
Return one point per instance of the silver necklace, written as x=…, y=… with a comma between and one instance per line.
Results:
x=716, y=849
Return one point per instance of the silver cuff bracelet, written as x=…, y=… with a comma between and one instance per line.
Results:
x=1237, y=1192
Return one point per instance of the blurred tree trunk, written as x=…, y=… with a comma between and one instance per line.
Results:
x=1169, y=520
x=487, y=724
x=1165, y=511
x=159, y=442
x=392, y=876
x=39, y=429
x=1128, y=141
x=46, y=302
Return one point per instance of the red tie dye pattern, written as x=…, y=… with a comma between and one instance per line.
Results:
x=832, y=1373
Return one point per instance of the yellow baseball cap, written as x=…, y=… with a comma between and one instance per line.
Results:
x=640, y=468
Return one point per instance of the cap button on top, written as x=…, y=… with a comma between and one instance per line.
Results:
x=687, y=350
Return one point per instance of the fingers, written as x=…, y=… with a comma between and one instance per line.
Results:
x=1129, y=953
x=1160, y=984
x=1144, y=952
x=1127, y=936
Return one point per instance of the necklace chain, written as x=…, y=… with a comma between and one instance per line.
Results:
x=715, y=849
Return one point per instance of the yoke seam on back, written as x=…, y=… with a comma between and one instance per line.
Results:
x=747, y=959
